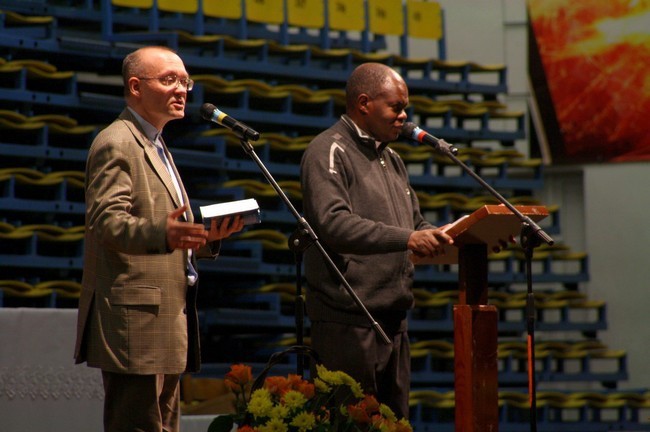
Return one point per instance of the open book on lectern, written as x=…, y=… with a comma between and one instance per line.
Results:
x=491, y=224
x=247, y=208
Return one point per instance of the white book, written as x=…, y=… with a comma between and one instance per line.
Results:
x=248, y=208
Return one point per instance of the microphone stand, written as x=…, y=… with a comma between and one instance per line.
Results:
x=301, y=239
x=298, y=243
x=531, y=237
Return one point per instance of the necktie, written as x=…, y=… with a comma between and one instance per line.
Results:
x=192, y=274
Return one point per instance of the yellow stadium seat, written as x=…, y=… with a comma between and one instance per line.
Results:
x=269, y=238
x=424, y=19
x=386, y=17
x=265, y=11
x=346, y=15
x=306, y=13
x=229, y=9
x=180, y=6
x=14, y=288
x=19, y=19
x=141, y=4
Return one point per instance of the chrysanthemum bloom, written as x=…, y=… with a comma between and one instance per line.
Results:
x=260, y=404
x=293, y=400
x=304, y=421
x=274, y=425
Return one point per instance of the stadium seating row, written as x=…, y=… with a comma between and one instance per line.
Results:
x=457, y=119
x=557, y=411
x=271, y=57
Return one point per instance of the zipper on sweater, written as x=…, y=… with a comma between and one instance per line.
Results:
x=389, y=189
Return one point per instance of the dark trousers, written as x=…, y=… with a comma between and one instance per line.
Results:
x=382, y=370
x=141, y=403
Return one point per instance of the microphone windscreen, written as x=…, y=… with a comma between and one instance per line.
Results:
x=207, y=109
x=407, y=130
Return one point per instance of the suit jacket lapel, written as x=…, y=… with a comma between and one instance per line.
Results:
x=151, y=153
x=186, y=200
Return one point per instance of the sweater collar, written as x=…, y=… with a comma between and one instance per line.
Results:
x=364, y=138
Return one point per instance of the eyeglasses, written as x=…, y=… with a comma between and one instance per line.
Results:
x=172, y=80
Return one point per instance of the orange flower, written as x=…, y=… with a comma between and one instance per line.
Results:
x=306, y=388
x=358, y=414
x=294, y=380
x=370, y=403
x=239, y=376
x=276, y=385
x=364, y=410
x=246, y=428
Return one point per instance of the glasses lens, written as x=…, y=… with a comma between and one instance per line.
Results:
x=173, y=80
x=169, y=80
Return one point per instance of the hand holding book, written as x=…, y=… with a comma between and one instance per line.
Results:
x=224, y=227
x=248, y=209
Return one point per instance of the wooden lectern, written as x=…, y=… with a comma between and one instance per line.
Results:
x=475, y=322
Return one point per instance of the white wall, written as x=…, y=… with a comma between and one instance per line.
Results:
x=604, y=208
x=485, y=32
x=617, y=207
x=604, y=212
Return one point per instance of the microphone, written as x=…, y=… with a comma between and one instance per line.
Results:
x=413, y=132
x=212, y=113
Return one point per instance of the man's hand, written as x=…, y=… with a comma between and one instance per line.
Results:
x=224, y=227
x=429, y=242
x=184, y=235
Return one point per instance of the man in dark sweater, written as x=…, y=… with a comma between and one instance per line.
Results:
x=357, y=197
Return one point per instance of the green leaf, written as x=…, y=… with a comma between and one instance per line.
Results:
x=222, y=423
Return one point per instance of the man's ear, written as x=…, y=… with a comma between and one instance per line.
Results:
x=362, y=101
x=134, y=86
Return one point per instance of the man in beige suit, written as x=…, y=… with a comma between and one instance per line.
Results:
x=137, y=313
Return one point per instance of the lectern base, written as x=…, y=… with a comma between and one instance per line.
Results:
x=475, y=368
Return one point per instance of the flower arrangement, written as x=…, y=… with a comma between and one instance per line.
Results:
x=334, y=402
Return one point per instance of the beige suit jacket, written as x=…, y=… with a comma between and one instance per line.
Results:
x=136, y=311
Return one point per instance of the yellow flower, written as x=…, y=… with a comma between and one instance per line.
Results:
x=337, y=378
x=404, y=426
x=355, y=387
x=260, y=404
x=274, y=425
x=333, y=378
x=293, y=399
x=304, y=422
x=321, y=386
x=279, y=412
x=385, y=411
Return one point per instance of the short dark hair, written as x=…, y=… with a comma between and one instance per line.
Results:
x=368, y=78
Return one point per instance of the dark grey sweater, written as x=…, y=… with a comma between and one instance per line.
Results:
x=358, y=200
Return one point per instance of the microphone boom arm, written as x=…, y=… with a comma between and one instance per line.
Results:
x=306, y=230
x=412, y=132
x=534, y=228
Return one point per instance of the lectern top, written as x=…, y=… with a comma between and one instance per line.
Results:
x=490, y=224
